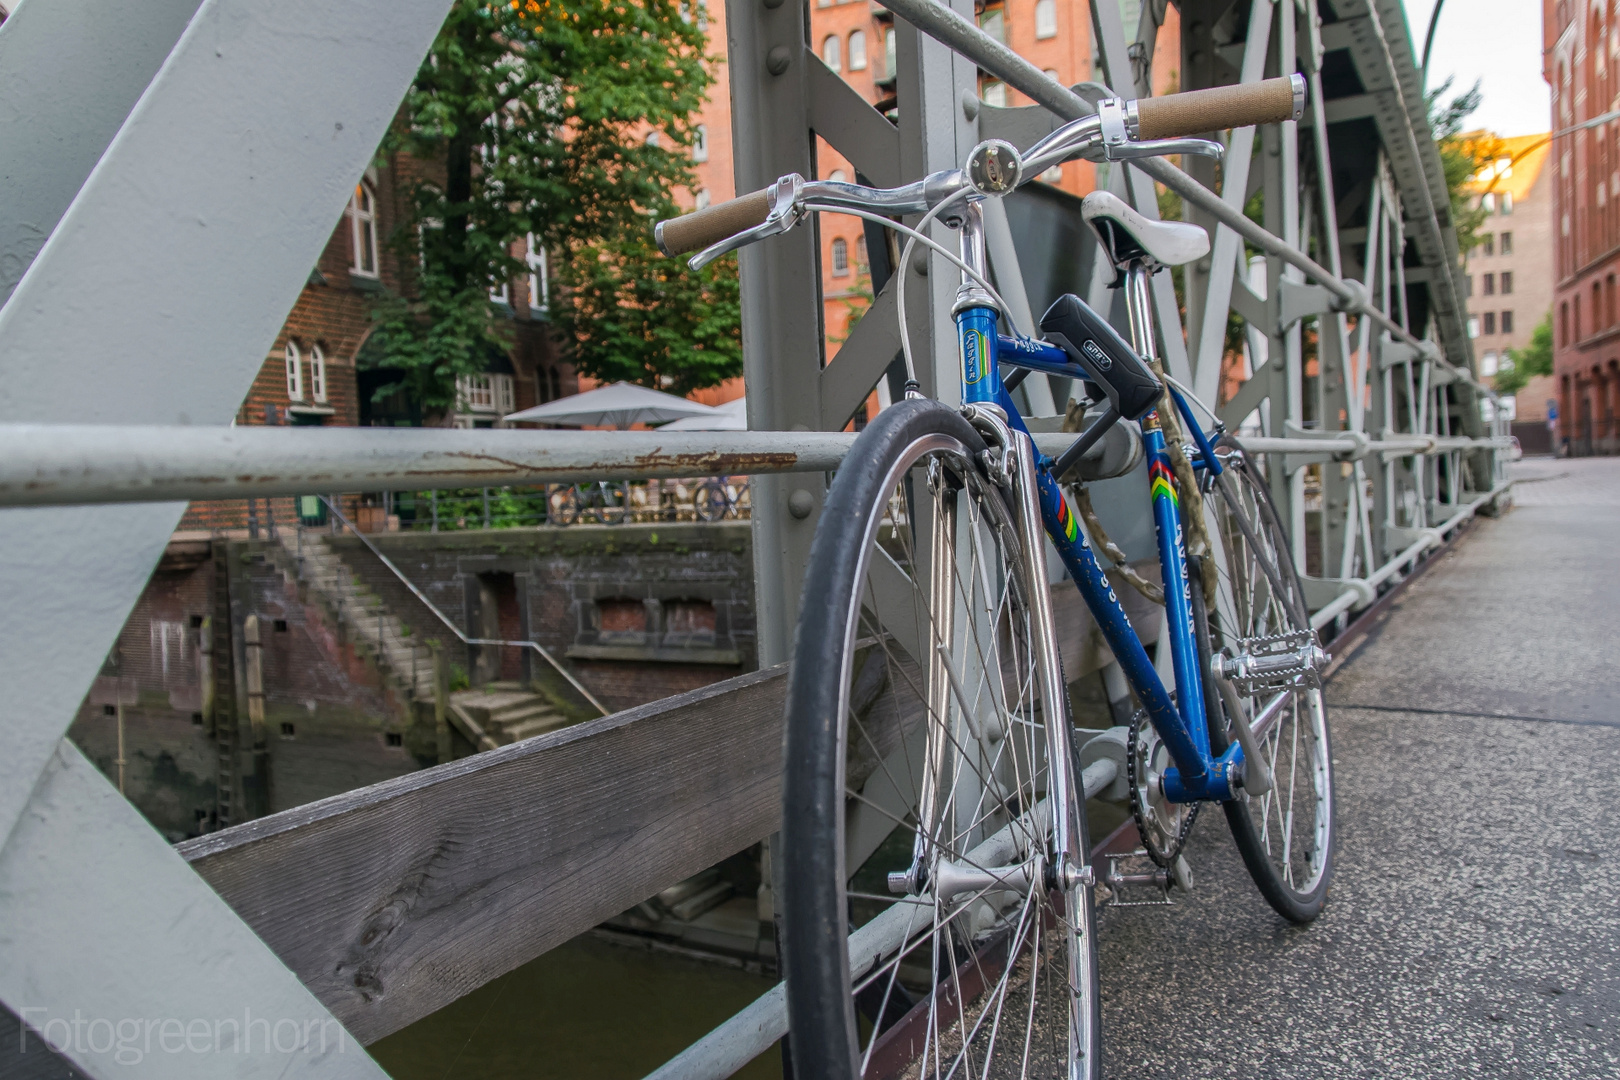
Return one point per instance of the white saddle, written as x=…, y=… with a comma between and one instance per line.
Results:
x=1128, y=236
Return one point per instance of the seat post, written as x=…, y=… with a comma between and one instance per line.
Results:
x=1139, y=303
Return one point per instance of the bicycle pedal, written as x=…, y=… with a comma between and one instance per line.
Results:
x=1142, y=874
x=1280, y=662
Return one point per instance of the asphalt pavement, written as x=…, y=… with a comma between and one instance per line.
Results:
x=1473, y=925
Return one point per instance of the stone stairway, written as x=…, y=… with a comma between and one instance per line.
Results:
x=501, y=713
x=377, y=633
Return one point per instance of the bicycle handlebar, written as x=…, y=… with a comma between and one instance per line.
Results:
x=712, y=224
x=1149, y=120
x=1220, y=107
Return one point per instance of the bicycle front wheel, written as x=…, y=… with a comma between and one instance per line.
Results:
x=1285, y=835
x=919, y=805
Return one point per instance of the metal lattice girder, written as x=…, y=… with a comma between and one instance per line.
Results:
x=157, y=296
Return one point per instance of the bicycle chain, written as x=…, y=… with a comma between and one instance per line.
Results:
x=1133, y=770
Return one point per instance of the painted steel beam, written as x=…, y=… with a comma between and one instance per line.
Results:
x=157, y=297
x=47, y=149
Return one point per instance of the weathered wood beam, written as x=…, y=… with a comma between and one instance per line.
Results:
x=394, y=900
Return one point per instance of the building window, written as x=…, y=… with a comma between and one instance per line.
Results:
x=539, y=285
x=994, y=23
x=832, y=51
x=1563, y=324
x=1490, y=323
x=890, y=68
x=1488, y=285
x=1488, y=245
x=501, y=293
x=1487, y=364
x=701, y=200
x=1487, y=202
x=857, y=50
x=1507, y=243
x=839, y=176
x=1507, y=282
x=1577, y=323
x=295, y=373
x=1506, y=203
x=1473, y=326
x=1045, y=18
x=840, y=257
x=1507, y=322
x=1468, y=284
x=700, y=143
x=860, y=251
x=317, y=374
x=652, y=139
x=994, y=93
x=363, y=230
x=485, y=394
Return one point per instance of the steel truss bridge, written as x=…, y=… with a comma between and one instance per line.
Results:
x=163, y=205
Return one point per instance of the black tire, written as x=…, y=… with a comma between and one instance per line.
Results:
x=562, y=504
x=1292, y=876
x=856, y=699
x=710, y=501
x=611, y=500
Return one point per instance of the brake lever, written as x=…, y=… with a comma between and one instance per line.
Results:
x=1162, y=148
x=787, y=210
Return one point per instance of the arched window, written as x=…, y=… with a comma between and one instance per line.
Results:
x=839, y=176
x=317, y=374
x=840, y=257
x=556, y=385
x=860, y=251
x=832, y=52
x=701, y=200
x=994, y=93
x=890, y=69
x=363, y=230
x=1045, y=18
x=295, y=373
x=857, y=50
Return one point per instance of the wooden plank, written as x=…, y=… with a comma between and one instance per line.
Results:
x=394, y=900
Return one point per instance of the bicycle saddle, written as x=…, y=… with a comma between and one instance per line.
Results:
x=1128, y=236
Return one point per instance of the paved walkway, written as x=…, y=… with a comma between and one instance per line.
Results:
x=1473, y=927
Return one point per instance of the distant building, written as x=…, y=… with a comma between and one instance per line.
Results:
x=1510, y=277
x=1582, y=63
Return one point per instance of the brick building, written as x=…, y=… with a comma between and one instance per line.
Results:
x=855, y=38
x=1510, y=274
x=1582, y=64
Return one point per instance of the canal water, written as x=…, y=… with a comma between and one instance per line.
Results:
x=589, y=1008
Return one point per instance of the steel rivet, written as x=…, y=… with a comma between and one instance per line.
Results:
x=778, y=59
x=801, y=504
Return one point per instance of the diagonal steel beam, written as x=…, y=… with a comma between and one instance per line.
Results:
x=113, y=49
x=188, y=243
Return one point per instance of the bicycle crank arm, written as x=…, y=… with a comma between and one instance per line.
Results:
x=1256, y=774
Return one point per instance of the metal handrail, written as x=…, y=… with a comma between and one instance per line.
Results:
x=454, y=629
x=87, y=464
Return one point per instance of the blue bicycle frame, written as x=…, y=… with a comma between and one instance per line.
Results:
x=1197, y=773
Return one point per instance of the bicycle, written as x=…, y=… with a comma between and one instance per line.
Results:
x=715, y=499
x=605, y=501
x=934, y=788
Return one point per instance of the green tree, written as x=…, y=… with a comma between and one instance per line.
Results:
x=1522, y=365
x=1461, y=156
x=532, y=117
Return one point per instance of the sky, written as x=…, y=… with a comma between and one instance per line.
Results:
x=1497, y=42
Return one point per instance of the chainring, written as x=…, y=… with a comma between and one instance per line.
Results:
x=1162, y=825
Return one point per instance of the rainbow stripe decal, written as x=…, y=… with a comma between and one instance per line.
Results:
x=1162, y=481
x=1071, y=528
x=975, y=355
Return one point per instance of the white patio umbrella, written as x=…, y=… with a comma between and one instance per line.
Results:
x=731, y=416
x=619, y=405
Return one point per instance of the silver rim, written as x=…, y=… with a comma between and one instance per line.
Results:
x=969, y=974
x=1294, y=819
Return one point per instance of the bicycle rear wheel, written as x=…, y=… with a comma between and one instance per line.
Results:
x=710, y=501
x=1285, y=835
x=562, y=504
x=916, y=760
x=612, y=502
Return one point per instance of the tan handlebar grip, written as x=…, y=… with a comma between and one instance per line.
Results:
x=1221, y=107
x=712, y=224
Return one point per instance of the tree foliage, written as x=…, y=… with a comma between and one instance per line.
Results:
x=1522, y=365
x=1461, y=156
x=531, y=117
